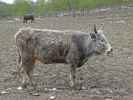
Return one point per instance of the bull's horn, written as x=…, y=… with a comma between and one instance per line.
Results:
x=95, y=30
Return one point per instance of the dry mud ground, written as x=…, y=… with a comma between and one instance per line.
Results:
x=101, y=78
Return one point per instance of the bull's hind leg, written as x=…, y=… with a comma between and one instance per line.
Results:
x=19, y=67
x=27, y=65
x=72, y=76
x=27, y=77
x=29, y=74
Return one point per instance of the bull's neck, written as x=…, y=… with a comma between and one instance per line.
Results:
x=90, y=50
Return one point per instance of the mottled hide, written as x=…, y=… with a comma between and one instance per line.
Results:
x=55, y=46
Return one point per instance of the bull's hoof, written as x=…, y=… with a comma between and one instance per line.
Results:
x=72, y=86
x=24, y=86
x=77, y=86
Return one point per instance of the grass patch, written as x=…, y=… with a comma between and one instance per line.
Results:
x=100, y=3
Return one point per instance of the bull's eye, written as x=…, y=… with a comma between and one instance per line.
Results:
x=102, y=40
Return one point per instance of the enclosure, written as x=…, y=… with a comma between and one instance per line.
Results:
x=101, y=78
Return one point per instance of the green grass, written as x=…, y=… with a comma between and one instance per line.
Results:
x=101, y=3
x=89, y=4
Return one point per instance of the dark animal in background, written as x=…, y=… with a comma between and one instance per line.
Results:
x=55, y=46
x=28, y=17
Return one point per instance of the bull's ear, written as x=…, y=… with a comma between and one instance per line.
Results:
x=95, y=30
x=93, y=36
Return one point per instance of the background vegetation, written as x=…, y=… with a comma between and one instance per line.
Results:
x=43, y=7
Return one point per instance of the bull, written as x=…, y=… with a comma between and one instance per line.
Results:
x=55, y=46
x=27, y=17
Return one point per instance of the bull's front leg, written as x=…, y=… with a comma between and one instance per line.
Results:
x=73, y=58
x=72, y=76
x=26, y=79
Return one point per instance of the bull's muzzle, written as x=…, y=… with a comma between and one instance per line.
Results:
x=110, y=51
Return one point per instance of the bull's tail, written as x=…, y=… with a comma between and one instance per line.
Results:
x=18, y=68
x=19, y=60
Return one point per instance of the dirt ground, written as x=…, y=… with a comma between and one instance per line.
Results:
x=101, y=78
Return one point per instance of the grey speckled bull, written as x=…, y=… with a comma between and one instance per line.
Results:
x=55, y=46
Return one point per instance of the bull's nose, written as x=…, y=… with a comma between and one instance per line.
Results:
x=110, y=51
